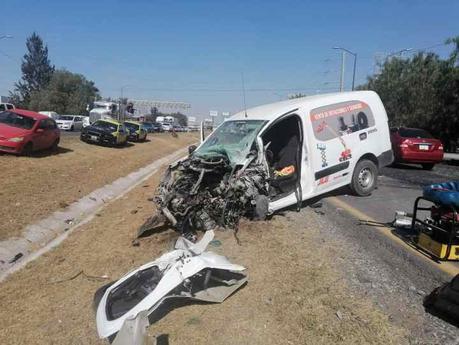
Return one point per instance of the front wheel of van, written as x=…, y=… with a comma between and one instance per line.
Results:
x=364, y=178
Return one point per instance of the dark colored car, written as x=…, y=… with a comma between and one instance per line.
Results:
x=108, y=132
x=157, y=128
x=149, y=127
x=23, y=131
x=414, y=145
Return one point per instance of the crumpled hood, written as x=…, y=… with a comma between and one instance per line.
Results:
x=8, y=132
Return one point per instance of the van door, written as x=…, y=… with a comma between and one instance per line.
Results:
x=340, y=131
x=284, y=141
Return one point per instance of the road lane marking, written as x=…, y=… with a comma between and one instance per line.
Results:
x=445, y=266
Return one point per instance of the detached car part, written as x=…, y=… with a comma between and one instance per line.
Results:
x=186, y=272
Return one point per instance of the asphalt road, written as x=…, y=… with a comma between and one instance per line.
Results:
x=379, y=261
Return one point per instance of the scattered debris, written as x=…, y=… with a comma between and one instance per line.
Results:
x=339, y=315
x=215, y=243
x=63, y=204
x=80, y=273
x=92, y=198
x=134, y=211
x=186, y=272
x=316, y=205
x=134, y=331
x=69, y=221
x=16, y=258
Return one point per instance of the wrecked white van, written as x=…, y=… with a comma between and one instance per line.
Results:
x=273, y=156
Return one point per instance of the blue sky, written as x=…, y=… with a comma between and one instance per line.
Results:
x=195, y=51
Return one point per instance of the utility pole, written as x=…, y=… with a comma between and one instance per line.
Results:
x=344, y=50
x=341, y=78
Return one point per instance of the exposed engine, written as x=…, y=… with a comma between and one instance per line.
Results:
x=203, y=192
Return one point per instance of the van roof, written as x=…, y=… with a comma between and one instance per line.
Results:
x=272, y=111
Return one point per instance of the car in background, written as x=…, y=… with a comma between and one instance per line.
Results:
x=137, y=131
x=86, y=122
x=23, y=131
x=167, y=127
x=70, y=122
x=157, y=127
x=105, y=132
x=7, y=106
x=51, y=114
x=417, y=146
x=150, y=127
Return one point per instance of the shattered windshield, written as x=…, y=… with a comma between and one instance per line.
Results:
x=233, y=139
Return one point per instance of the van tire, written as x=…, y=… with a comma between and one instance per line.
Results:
x=364, y=178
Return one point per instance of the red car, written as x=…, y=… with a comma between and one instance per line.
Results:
x=413, y=145
x=23, y=131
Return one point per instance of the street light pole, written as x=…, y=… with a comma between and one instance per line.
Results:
x=341, y=78
x=344, y=50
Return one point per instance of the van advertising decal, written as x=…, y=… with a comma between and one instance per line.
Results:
x=341, y=119
x=323, y=154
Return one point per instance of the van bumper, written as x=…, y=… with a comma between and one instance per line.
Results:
x=385, y=158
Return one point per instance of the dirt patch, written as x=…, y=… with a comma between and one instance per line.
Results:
x=294, y=294
x=33, y=187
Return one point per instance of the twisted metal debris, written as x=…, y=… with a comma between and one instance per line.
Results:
x=204, y=192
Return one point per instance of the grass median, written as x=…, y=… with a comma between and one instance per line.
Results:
x=33, y=187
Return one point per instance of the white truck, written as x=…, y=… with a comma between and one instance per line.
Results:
x=103, y=110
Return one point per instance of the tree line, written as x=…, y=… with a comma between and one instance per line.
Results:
x=421, y=91
x=43, y=87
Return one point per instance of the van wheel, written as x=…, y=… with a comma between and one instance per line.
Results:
x=427, y=166
x=364, y=178
x=27, y=149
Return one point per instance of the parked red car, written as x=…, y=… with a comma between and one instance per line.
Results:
x=23, y=131
x=414, y=145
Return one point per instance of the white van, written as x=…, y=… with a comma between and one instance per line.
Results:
x=317, y=143
x=51, y=114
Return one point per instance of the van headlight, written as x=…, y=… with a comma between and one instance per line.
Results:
x=16, y=139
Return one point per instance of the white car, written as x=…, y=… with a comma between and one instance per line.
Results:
x=7, y=106
x=70, y=122
x=167, y=127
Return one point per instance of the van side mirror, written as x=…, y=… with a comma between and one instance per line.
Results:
x=191, y=149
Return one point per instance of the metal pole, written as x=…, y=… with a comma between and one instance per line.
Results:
x=341, y=80
x=353, y=74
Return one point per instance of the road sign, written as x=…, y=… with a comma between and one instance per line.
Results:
x=225, y=113
x=213, y=113
x=191, y=119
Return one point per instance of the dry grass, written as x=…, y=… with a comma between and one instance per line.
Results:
x=294, y=295
x=33, y=187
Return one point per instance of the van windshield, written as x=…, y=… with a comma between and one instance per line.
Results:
x=233, y=139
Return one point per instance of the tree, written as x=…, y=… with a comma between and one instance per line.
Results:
x=422, y=92
x=66, y=93
x=36, y=71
